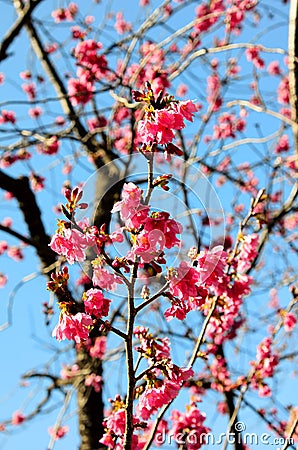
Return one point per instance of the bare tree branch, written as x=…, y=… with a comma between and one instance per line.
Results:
x=15, y=30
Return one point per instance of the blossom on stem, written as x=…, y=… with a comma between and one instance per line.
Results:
x=190, y=424
x=289, y=322
x=159, y=393
x=74, y=327
x=95, y=303
x=17, y=418
x=103, y=278
x=159, y=232
x=58, y=432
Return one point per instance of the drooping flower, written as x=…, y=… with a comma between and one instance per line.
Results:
x=74, y=327
x=58, y=432
x=95, y=303
x=191, y=426
x=99, y=347
x=103, y=278
x=289, y=322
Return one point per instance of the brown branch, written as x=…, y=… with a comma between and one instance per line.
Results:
x=293, y=67
x=20, y=188
x=16, y=28
x=14, y=233
x=229, y=396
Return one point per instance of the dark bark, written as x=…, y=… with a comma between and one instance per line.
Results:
x=21, y=190
x=293, y=67
x=90, y=403
x=15, y=30
x=229, y=396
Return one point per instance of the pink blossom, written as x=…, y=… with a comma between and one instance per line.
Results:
x=17, y=418
x=37, y=182
x=252, y=54
x=71, y=11
x=68, y=247
x=116, y=422
x=80, y=93
x=7, y=116
x=248, y=252
x=213, y=91
x=97, y=123
x=3, y=280
x=60, y=120
x=3, y=246
x=89, y=20
x=34, y=113
x=264, y=366
x=95, y=303
x=51, y=47
x=159, y=124
x=283, y=144
x=183, y=281
x=187, y=108
x=181, y=90
x=211, y=265
x=26, y=75
x=77, y=32
x=99, y=348
x=273, y=68
x=74, y=327
x=154, y=398
x=68, y=372
x=59, y=15
x=131, y=198
x=67, y=168
x=283, y=91
x=190, y=423
x=105, y=279
x=30, y=90
x=153, y=349
x=72, y=243
x=58, y=432
x=2, y=78
x=264, y=349
x=95, y=381
x=221, y=375
x=121, y=26
x=222, y=407
x=15, y=253
x=264, y=390
x=159, y=232
x=91, y=64
x=50, y=146
x=289, y=322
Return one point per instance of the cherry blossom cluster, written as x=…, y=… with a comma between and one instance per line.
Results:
x=196, y=286
x=62, y=14
x=163, y=378
x=163, y=115
x=189, y=426
x=74, y=325
x=92, y=66
x=115, y=427
x=264, y=367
